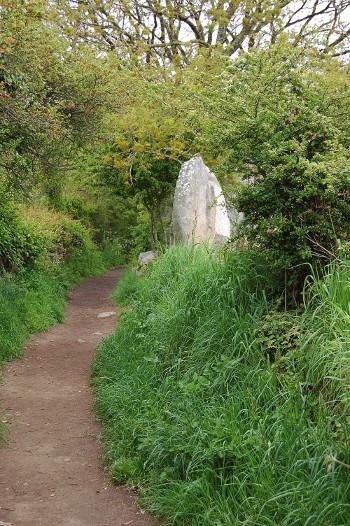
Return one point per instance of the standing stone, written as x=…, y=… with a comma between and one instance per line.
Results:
x=199, y=212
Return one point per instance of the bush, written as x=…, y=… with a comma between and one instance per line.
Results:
x=17, y=247
x=287, y=135
x=37, y=236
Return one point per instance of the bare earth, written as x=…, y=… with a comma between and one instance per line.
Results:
x=51, y=471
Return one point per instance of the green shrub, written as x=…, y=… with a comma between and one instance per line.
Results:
x=286, y=126
x=18, y=246
x=37, y=236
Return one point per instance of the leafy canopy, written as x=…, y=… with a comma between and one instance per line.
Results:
x=287, y=135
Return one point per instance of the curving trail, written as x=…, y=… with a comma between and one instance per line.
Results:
x=51, y=471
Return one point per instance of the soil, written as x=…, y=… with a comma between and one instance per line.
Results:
x=51, y=469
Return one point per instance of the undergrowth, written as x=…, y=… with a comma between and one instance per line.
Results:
x=222, y=408
x=42, y=254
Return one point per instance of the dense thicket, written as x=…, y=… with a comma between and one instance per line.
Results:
x=285, y=133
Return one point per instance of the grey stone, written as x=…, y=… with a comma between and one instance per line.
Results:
x=145, y=258
x=105, y=315
x=199, y=211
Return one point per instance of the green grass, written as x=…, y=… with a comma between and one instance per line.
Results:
x=29, y=303
x=222, y=409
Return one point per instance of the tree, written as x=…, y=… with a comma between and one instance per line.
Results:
x=151, y=181
x=51, y=100
x=25, y=121
x=173, y=31
x=287, y=131
x=150, y=136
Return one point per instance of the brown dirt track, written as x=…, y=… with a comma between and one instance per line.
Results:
x=51, y=471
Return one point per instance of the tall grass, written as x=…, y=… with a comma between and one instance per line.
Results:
x=29, y=303
x=198, y=412
x=325, y=355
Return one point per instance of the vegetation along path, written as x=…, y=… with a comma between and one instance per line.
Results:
x=50, y=470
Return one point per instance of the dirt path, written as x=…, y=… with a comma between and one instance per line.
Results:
x=51, y=471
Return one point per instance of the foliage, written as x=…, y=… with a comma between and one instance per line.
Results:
x=31, y=302
x=29, y=118
x=152, y=182
x=12, y=237
x=38, y=236
x=278, y=334
x=113, y=253
x=196, y=412
x=150, y=139
x=285, y=129
x=50, y=100
x=174, y=32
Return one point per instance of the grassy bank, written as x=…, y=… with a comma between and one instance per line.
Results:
x=222, y=407
x=42, y=254
x=34, y=299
